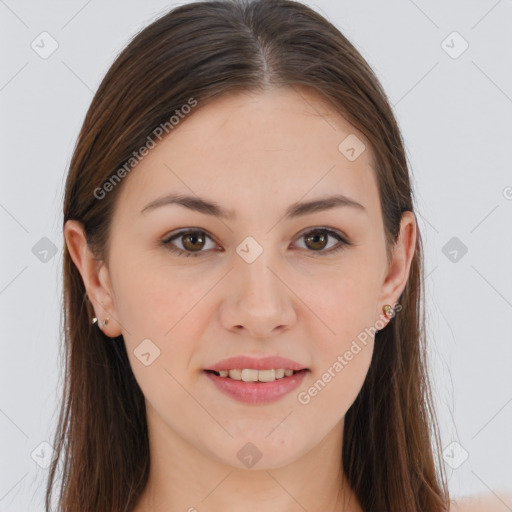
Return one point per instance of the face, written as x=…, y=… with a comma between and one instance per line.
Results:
x=189, y=289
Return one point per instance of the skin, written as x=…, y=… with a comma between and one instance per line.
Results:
x=500, y=501
x=255, y=154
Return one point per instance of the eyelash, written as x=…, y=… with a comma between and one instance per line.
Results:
x=343, y=242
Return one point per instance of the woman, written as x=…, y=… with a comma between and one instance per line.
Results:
x=283, y=365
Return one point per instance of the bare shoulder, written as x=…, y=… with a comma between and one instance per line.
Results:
x=499, y=502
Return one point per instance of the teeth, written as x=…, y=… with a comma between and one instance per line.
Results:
x=235, y=374
x=250, y=375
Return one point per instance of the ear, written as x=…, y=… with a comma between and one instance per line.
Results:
x=95, y=276
x=399, y=267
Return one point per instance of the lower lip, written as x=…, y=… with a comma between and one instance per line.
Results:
x=257, y=392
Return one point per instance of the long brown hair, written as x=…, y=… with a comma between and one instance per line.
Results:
x=203, y=50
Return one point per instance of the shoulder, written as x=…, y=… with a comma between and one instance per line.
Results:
x=500, y=502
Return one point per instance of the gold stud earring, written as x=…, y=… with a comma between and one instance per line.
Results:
x=103, y=322
x=388, y=311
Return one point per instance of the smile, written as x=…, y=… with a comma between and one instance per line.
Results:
x=251, y=375
x=256, y=390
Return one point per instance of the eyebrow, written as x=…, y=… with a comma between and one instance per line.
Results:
x=298, y=209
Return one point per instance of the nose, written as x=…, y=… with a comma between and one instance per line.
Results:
x=258, y=299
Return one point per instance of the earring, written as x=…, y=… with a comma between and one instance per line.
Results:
x=103, y=322
x=388, y=311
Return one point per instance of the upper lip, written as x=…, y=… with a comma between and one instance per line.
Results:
x=263, y=363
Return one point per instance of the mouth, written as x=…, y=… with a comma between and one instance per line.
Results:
x=257, y=376
x=256, y=387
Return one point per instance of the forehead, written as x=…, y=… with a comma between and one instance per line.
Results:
x=248, y=149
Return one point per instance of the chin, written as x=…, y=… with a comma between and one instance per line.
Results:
x=260, y=451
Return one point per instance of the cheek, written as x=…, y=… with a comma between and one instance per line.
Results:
x=160, y=305
x=340, y=371
x=153, y=310
x=151, y=299
x=344, y=303
x=344, y=337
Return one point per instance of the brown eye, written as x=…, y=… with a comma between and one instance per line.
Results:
x=316, y=240
x=193, y=241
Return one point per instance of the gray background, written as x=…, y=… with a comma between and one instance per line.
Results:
x=455, y=112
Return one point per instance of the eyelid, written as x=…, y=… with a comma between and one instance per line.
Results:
x=343, y=240
x=167, y=239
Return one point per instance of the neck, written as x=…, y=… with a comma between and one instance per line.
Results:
x=183, y=478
